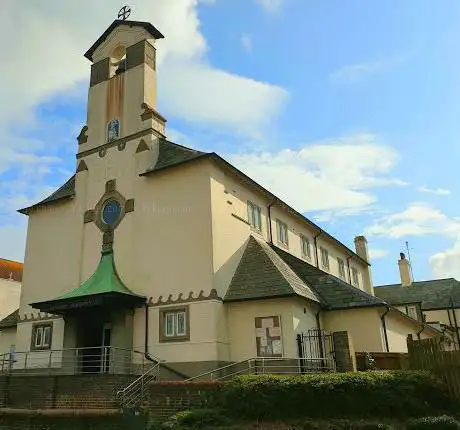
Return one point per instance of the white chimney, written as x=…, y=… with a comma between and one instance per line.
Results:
x=404, y=270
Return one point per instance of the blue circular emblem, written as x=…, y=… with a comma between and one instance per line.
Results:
x=111, y=212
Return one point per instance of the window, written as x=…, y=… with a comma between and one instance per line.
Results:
x=41, y=336
x=174, y=324
x=305, y=246
x=254, y=216
x=341, y=264
x=282, y=232
x=412, y=312
x=324, y=258
x=354, y=276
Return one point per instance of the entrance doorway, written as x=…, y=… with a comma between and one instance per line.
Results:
x=94, y=337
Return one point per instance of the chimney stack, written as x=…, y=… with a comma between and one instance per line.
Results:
x=404, y=270
x=361, y=251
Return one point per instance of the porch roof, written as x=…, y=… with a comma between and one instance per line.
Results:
x=103, y=288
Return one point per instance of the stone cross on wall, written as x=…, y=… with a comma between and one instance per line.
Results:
x=109, y=212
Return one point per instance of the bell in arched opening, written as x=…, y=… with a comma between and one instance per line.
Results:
x=121, y=67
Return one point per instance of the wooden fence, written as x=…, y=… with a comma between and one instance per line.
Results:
x=428, y=354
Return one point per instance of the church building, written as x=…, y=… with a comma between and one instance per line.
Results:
x=173, y=253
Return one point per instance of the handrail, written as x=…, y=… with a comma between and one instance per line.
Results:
x=218, y=369
x=253, y=367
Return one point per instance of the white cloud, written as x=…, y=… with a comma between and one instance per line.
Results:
x=446, y=264
x=246, y=42
x=13, y=241
x=334, y=175
x=437, y=191
x=270, y=5
x=376, y=253
x=419, y=219
x=356, y=72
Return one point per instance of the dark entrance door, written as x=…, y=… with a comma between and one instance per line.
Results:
x=93, y=343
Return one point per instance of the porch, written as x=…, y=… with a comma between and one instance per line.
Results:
x=106, y=360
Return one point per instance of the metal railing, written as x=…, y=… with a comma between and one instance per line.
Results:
x=267, y=366
x=74, y=361
x=132, y=396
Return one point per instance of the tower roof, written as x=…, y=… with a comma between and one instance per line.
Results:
x=117, y=23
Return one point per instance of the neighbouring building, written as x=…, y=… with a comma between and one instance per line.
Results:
x=435, y=302
x=10, y=292
x=169, y=251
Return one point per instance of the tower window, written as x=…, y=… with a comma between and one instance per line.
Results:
x=113, y=130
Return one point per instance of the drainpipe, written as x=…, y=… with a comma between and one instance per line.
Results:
x=384, y=326
x=146, y=351
x=270, y=235
x=420, y=332
x=349, y=271
x=455, y=321
x=320, y=339
x=315, y=242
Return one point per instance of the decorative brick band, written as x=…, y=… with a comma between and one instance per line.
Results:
x=38, y=317
x=181, y=299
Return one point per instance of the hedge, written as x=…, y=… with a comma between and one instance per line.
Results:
x=340, y=395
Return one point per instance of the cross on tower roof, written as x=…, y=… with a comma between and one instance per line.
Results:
x=124, y=13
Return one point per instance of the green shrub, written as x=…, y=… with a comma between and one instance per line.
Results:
x=439, y=423
x=199, y=419
x=340, y=395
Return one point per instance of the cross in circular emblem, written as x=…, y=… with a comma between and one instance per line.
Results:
x=124, y=13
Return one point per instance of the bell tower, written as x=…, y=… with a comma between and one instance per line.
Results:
x=122, y=91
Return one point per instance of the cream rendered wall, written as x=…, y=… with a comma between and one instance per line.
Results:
x=10, y=293
x=52, y=257
x=304, y=316
x=7, y=339
x=207, y=342
x=241, y=324
x=230, y=196
x=363, y=325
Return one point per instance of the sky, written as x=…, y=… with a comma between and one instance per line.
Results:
x=347, y=110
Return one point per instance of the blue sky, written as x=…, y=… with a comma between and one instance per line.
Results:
x=347, y=110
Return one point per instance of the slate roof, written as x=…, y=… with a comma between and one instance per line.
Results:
x=171, y=154
x=65, y=191
x=11, y=320
x=262, y=274
x=146, y=25
x=434, y=294
x=11, y=270
x=266, y=271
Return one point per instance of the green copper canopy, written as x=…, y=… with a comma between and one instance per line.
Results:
x=103, y=288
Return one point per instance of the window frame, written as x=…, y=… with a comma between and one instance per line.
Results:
x=325, y=263
x=280, y=225
x=303, y=240
x=355, y=276
x=254, y=212
x=42, y=328
x=175, y=336
x=341, y=264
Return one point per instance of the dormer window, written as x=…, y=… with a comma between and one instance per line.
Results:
x=113, y=130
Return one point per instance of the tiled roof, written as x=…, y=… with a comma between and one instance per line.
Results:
x=333, y=292
x=434, y=294
x=11, y=270
x=169, y=154
x=65, y=191
x=261, y=274
x=11, y=320
x=266, y=271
